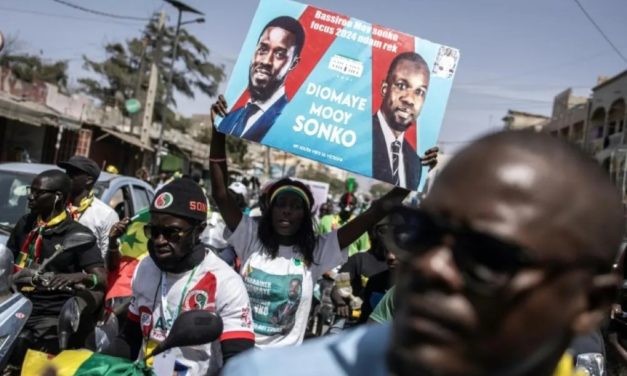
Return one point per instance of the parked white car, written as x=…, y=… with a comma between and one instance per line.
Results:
x=125, y=194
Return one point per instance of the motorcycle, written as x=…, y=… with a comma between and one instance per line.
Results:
x=14, y=308
x=191, y=328
x=322, y=313
x=108, y=328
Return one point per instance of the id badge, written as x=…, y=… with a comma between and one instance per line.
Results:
x=163, y=364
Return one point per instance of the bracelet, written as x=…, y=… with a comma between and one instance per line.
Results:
x=217, y=159
x=94, y=281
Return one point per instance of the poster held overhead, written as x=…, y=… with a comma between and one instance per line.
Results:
x=341, y=91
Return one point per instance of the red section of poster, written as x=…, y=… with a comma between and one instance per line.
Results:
x=381, y=60
x=310, y=56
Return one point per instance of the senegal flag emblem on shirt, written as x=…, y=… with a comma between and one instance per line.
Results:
x=133, y=248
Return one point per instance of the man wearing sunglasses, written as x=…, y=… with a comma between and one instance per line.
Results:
x=180, y=275
x=37, y=237
x=509, y=258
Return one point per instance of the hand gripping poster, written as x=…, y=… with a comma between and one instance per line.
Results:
x=344, y=92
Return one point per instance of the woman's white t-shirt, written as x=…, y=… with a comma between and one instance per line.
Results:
x=281, y=289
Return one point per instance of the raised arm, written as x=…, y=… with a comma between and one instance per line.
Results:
x=112, y=261
x=219, y=173
x=351, y=231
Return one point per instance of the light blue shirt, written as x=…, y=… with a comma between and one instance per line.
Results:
x=356, y=352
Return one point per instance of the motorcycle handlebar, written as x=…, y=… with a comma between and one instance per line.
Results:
x=43, y=281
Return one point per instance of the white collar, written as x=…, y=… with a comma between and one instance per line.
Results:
x=265, y=105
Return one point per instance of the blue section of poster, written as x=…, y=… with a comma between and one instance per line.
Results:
x=346, y=93
x=329, y=119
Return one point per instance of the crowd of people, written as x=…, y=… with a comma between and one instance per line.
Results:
x=509, y=266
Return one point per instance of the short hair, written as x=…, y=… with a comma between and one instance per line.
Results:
x=59, y=181
x=574, y=171
x=293, y=26
x=409, y=56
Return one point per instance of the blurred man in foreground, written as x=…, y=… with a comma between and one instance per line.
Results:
x=508, y=259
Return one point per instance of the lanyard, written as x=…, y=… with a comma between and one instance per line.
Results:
x=165, y=312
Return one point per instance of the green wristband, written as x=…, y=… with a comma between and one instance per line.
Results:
x=94, y=281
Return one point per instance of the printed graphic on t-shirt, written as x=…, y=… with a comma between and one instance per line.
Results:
x=274, y=299
x=202, y=295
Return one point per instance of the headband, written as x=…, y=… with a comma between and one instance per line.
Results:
x=291, y=188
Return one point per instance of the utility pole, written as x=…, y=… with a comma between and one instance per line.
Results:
x=181, y=7
x=267, y=166
x=152, y=87
x=140, y=79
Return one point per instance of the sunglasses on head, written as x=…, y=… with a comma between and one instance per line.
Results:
x=171, y=234
x=486, y=262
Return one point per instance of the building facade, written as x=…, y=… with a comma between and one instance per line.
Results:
x=39, y=123
x=569, y=117
x=519, y=120
x=606, y=128
x=597, y=123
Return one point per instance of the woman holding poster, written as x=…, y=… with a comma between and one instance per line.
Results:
x=281, y=255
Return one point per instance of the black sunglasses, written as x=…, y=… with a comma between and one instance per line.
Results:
x=37, y=192
x=171, y=234
x=486, y=262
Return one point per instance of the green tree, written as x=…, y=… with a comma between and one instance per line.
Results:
x=125, y=71
x=32, y=68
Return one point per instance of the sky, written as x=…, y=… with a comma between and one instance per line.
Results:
x=514, y=54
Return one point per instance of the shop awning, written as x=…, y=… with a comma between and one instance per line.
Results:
x=34, y=113
x=26, y=112
x=129, y=139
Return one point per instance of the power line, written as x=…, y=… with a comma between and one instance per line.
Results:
x=99, y=13
x=600, y=31
x=37, y=13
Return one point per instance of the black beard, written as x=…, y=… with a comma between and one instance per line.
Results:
x=399, y=127
x=393, y=124
x=262, y=94
x=179, y=265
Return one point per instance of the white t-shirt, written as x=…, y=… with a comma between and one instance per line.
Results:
x=281, y=289
x=99, y=218
x=213, y=234
x=212, y=286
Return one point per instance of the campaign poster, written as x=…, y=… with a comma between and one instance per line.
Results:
x=341, y=91
x=274, y=300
